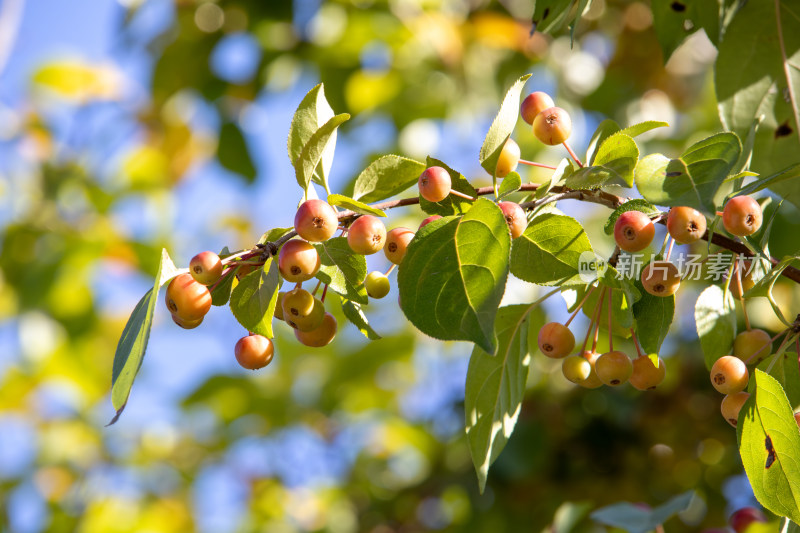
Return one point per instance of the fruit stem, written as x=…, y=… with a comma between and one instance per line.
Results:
x=610, y=335
x=534, y=164
x=669, y=248
x=580, y=305
x=237, y=255
x=222, y=276
x=636, y=343
x=324, y=293
x=770, y=343
x=597, y=321
x=741, y=295
x=462, y=195
x=719, y=213
x=391, y=268
x=572, y=154
x=314, y=292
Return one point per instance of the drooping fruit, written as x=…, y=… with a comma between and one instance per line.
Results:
x=533, y=104
x=661, y=278
x=205, y=267
x=187, y=299
x=377, y=285
x=556, y=340
x=434, y=184
x=515, y=218
x=731, y=406
x=366, y=235
x=396, y=244
x=508, y=160
x=254, y=351
x=320, y=336
x=552, y=126
x=613, y=368
x=298, y=261
x=729, y=374
x=315, y=220
x=750, y=342
x=686, y=224
x=646, y=376
x=742, y=216
x=633, y=231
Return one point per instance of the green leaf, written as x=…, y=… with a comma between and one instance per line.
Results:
x=313, y=111
x=631, y=205
x=310, y=157
x=133, y=342
x=254, y=298
x=342, y=269
x=643, y=127
x=454, y=274
x=635, y=519
x=790, y=173
x=352, y=312
x=385, y=177
x=715, y=318
x=568, y=516
x=273, y=235
x=510, y=184
x=691, y=180
x=495, y=389
x=563, y=170
x=354, y=205
x=604, y=130
x=674, y=21
x=221, y=292
x=502, y=126
x=619, y=154
x=452, y=205
x=769, y=444
x=549, y=16
x=590, y=178
x=756, y=74
x=548, y=252
x=786, y=372
x=232, y=152
x=654, y=316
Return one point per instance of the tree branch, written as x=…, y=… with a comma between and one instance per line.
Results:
x=595, y=196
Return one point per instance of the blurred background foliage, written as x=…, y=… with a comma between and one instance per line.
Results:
x=139, y=124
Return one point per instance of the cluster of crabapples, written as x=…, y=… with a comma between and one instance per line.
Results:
x=633, y=232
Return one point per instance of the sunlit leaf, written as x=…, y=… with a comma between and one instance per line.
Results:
x=308, y=160
x=385, y=177
x=636, y=204
x=354, y=205
x=454, y=274
x=502, y=126
x=353, y=312
x=715, y=317
x=342, y=269
x=253, y=300
x=769, y=444
x=133, y=342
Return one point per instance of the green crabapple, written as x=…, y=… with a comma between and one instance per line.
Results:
x=316, y=221
x=633, y=231
x=310, y=321
x=576, y=368
x=377, y=285
x=297, y=302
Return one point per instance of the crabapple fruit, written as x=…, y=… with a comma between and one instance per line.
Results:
x=254, y=351
x=731, y=406
x=742, y=216
x=686, y=224
x=186, y=324
x=613, y=368
x=576, y=368
x=434, y=184
x=592, y=382
x=366, y=235
x=298, y=261
x=533, y=104
x=315, y=220
x=633, y=231
x=556, y=340
x=187, y=299
x=428, y=221
x=552, y=126
x=377, y=285
x=661, y=278
x=320, y=336
x=297, y=302
x=205, y=268
x=750, y=342
x=741, y=519
x=645, y=375
x=515, y=218
x=729, y=374
x=508, y=160
x=310, y=321
x=397, y=241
